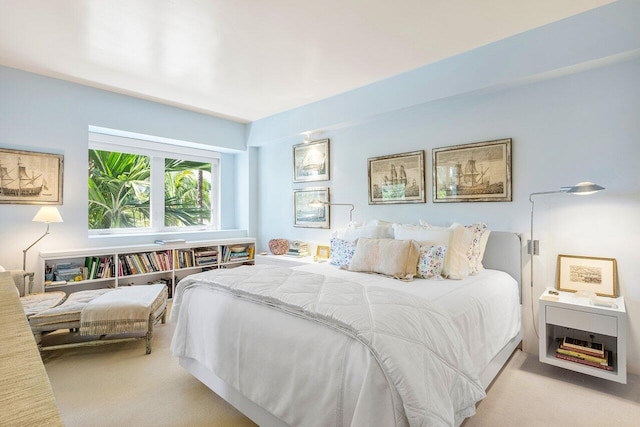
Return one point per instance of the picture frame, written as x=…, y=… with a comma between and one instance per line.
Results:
x=30, y=178
x=476, y=172
x=397, y=178
x=307, y=216
x=587, y=274
x=323, y=252
x=311, y=161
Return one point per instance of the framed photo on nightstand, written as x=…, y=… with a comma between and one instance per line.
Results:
x=587, y=274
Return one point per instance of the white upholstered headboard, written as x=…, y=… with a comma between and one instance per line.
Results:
x=504, y=252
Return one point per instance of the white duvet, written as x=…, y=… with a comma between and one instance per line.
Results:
x=335, y=352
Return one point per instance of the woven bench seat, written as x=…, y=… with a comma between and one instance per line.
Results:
x=68, y=316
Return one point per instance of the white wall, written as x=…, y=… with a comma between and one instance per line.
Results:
x=48, y=115
x=565, y=130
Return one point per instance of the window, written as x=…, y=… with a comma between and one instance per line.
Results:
x=137, y=185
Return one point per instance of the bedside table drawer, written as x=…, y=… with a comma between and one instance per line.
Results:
x=575, y=319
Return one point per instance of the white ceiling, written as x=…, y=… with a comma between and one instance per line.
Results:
x=248, y=59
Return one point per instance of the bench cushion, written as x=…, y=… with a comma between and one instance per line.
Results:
x=67, y=312
x=37, y=303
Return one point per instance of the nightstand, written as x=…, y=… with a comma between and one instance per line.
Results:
x=283, y=260
x=577, y=317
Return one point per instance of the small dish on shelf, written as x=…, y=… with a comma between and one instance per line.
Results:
x=237, y=248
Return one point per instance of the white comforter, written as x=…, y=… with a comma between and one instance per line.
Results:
x=408, y=358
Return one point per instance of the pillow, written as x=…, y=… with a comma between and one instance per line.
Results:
x=370, y=231
x=424, y=234
x=341, y=252
x=483, y=245
x=395, y=258
x=456, y=265
x=431, y=262
x=456, y=261
x=476, y=251
x=2, y=268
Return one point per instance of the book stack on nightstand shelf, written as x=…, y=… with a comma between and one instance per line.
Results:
x=579, y=334
x=585, y=352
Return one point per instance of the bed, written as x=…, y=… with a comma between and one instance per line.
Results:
x=280, y=365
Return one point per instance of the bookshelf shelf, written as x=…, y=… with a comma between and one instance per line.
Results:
x=574, y=316
x=139, y=264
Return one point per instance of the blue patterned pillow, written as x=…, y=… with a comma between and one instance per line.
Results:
x=342, y=251
x=431, y=262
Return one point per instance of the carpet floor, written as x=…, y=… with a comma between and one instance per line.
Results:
x=118, y=385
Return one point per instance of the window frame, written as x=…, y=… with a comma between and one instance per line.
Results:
x=158, y=151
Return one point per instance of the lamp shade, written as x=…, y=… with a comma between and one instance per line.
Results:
x=584, y=188
x=48, y=214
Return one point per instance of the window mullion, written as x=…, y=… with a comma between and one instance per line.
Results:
x=157, y=193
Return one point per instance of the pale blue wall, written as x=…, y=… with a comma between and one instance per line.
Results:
x=569, y=96
x=49, y=115
x=565, y=130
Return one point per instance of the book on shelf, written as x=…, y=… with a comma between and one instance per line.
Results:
x=583, y=356
x=607, y=367
x=594, y=348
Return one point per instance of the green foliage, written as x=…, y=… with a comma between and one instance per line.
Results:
x=119, y=191
x=187, y=199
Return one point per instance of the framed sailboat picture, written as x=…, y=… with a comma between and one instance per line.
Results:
x=477, y=172
x=311, y=207
x=311, y=161
x=398, y=178
x=30, y=178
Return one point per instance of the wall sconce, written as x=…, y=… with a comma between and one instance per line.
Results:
x=46, y=214
x=318, y=204
x=533, y=247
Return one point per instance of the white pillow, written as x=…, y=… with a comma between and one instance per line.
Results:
x=2, y=268
x=456, y=265
x=395, y=258
x=424, y=234
x=372, y=229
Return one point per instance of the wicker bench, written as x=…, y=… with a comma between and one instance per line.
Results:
x=68, y=316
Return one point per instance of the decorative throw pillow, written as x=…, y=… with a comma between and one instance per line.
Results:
x=476, y=252
x=395, y=258
x=456, y=238
x=431, y=262
x=341, y=251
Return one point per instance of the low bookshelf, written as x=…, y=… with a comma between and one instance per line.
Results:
x=95, y=268
x=578, y=318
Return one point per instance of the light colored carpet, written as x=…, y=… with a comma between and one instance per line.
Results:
x=118, y=385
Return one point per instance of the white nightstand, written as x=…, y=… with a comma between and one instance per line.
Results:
x=283, y=260
x=577, y=317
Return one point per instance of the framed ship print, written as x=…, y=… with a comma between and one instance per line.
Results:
x=30, y=178
x=311, y=208
x=478, y=172
x=311, y=161
x=398, y=178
